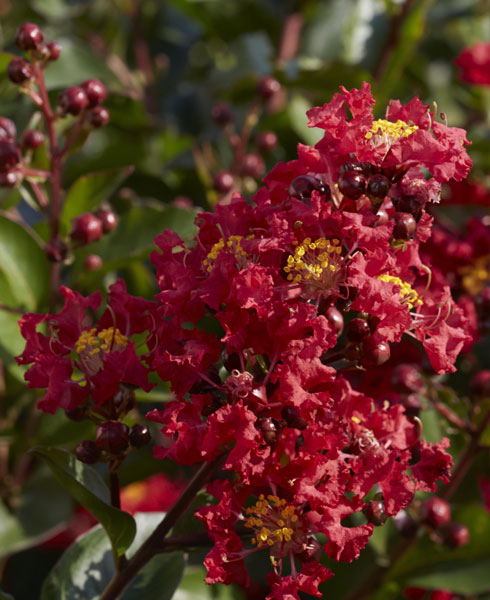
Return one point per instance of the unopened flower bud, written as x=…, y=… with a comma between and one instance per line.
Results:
x=112, y=436
x=87, y=452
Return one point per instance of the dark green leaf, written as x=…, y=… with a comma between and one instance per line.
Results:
x=193, y=586
x=23, y=267
x=5, y=596
x=88, y=488
x=86, y=567
x=89, y=191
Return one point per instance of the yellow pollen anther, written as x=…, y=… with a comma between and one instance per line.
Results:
x=408, y=294
x=231, y=246
x=475, y=277
x=390, y=129
x=314, y=261
x=92, y=345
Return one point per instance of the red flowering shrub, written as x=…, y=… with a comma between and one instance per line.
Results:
x=475, y=63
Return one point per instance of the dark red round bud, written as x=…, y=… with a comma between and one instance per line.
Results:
x=480, y=384
x=139, y=436
x=223, y=182
x=9, y=155
x=405, y=226
x=222, y=113
x=267, y=87
x=302, y=187
x=10, y=179
x=335, y=318
x=108, y=219
x=54, y=49
x=28, y=36
x=99, y=117
x=456, y=535
x=374, y=353
x=73, y=100
x=359, y=167
x=32, y=139
x=292, y=417
x=414, y=593
x=92, y=262
x=87, y=452
x=357, y=330
x=56, y=250
x=19, y=70
x=352, y=184
x=268, y=428
x=441, y=595
x=112, y=436
x=378, y=186
x=406, y=525
x=252, y=165
x=375, y=512
x=95, y=90
x=406, y=379
x=435, y=512
x=76, y=414
x=383, y=217
x=266, y=141
x=8, y=130
x=86, y=229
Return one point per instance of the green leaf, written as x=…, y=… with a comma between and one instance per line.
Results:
x=76, y=63
x=89, y=191
x=88, y=488
x=459, y=577
x=193, y=587
x=5, y=596
x=86, y=568
x=297, y=107
x=23, y=267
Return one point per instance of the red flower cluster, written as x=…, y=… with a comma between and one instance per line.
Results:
x=252, y=338
x=87, y=364
x=475, y=64
x=261, y=323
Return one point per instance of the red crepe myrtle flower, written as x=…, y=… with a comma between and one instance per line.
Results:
x=475, y=64
x=80, y=360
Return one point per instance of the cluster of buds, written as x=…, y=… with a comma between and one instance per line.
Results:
x=271, y=328
x=247, y=164
x=84, y=102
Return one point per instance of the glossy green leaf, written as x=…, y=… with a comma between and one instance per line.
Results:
x=88, y=488
x=87, y=193
x=23, y=267
x=86, y=568
x=193, y=587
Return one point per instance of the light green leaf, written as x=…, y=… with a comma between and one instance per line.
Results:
x=86, y=568
x=297, y=107
x=88, y=488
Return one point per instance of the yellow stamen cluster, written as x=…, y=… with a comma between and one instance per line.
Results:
x=391, y=130
x=311, y=259
x=476, y=276
x=273, y=520
x=408, y=294
x=105, y=340
x=231, y=245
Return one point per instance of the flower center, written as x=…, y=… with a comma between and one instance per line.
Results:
x=408, y=295
x=92, y=345
x=476, y=276
x=232, y=245
x=390, y=130
x=276, y=525
x=316, y=263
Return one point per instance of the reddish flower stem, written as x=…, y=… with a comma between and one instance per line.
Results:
x=153, y=544
x=375, y=579
x=449, y=415
x=56, y=190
